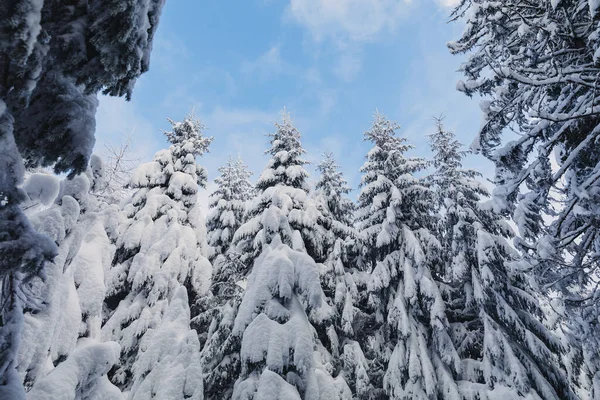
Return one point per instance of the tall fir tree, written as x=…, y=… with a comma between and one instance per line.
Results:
x=534, y=64
x=228, y=205
x=407, y=342
x=337, y=214
x=282, y=184
x=333, y=190
x=266, y=345
x=158, y=264
x=493, y=312
x=342, y=282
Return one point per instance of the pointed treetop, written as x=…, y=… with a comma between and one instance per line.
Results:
x=241, y=166
x=382, y=130
x=328, y=162
x=447, y=150
x=225, y=181
x=229, y=164
x=187, y=136
x=287, y=136
x=286, y=116
x=233, y=181
x=449, y=175
x=286, y=163
x=387, y=154
x=334, y=187
x=331, y=175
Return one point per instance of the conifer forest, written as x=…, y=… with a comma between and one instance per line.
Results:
x=427, y=280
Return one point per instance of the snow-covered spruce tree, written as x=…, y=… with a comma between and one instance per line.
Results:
x=22, y=250
x=46, y=49
x=159, y=253
x=280, y=209
x=493, y=313
x=56, y=216
x=342, y=283
x=227, y=205
x=336, y=210
x=246, y=190
x=333, y=189
x=216, y=312
x=282, y=184
x=535, y=63
x=406, y=341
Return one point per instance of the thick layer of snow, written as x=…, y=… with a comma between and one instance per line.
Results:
x=282, y=297
x=82, y=376
x=168, y=364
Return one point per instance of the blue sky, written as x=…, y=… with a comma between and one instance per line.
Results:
x=331, y=63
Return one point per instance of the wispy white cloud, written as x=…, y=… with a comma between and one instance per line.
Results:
x=271, y=63
x=236, y=118
x=327, y=99
x=207, y=84
x=180, y=98
x=168, y=52
x=347, y=20
x=348, y=65
x=266, y=65
x=448, y=3
x=347, y=24
x=313, y=75
x=352, y=24
x=221, y=79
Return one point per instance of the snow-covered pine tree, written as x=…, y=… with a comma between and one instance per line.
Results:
x=22, y=250
x=535, y=65
x=282, y=221
x=159, y=254
x=56, y=216
x=282, y=184
x=54, y=57
x=493, y=313
x=333, y=190
x=407, y=342
x=228, y=205
x=336, y=210
x=342, y=283
x=217, y=312
x=246, y=187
